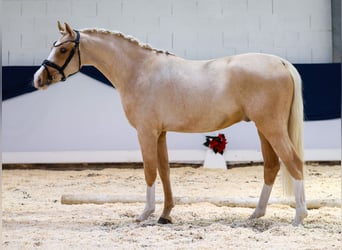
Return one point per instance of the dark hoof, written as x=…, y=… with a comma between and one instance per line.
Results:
x=164, y=221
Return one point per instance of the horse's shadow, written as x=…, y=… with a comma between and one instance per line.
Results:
x=257, y=225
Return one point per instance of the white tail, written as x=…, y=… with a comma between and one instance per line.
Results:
x=295, y=126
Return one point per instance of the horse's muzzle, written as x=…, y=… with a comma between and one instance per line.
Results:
x=39, y=81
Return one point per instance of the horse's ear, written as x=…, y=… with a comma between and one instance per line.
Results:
x=68, y=29
x=60, y=28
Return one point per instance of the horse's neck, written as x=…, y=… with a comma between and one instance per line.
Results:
x=114, y=56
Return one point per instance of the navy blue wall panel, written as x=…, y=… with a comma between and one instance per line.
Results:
x=321, y=86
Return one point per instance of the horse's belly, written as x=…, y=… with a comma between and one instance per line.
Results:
x=205, y=121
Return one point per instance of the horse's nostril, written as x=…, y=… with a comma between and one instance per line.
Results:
x=40, y=82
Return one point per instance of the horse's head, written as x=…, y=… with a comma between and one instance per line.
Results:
x=63, y=61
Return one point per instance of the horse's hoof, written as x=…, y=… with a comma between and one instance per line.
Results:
x=164, y=221
x=256, y=215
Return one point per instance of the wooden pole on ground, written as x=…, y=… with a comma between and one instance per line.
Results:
x=73, y=199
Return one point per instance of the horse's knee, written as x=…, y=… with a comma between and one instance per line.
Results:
x=150, y=182
x=150, y=175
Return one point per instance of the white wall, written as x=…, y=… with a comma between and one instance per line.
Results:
x=85, y=115
x=299, y=31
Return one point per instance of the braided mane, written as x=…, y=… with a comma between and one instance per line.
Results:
x=126, y=37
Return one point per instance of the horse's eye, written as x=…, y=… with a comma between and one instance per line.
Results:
x=63, y=50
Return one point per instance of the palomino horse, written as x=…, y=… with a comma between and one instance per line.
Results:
x=161, y=92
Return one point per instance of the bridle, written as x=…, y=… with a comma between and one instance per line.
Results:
x=46, y=63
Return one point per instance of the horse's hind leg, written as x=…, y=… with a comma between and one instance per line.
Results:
x=282, y=145
x=271, y=168
x=164, y=173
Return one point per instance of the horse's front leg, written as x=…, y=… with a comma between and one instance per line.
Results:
x=164, y=173
x=148, y=144
x=150, y=204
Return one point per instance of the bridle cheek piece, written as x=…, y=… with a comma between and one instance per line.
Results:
x=46, y=63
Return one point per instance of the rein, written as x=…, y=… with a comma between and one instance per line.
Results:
x=61, y=69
